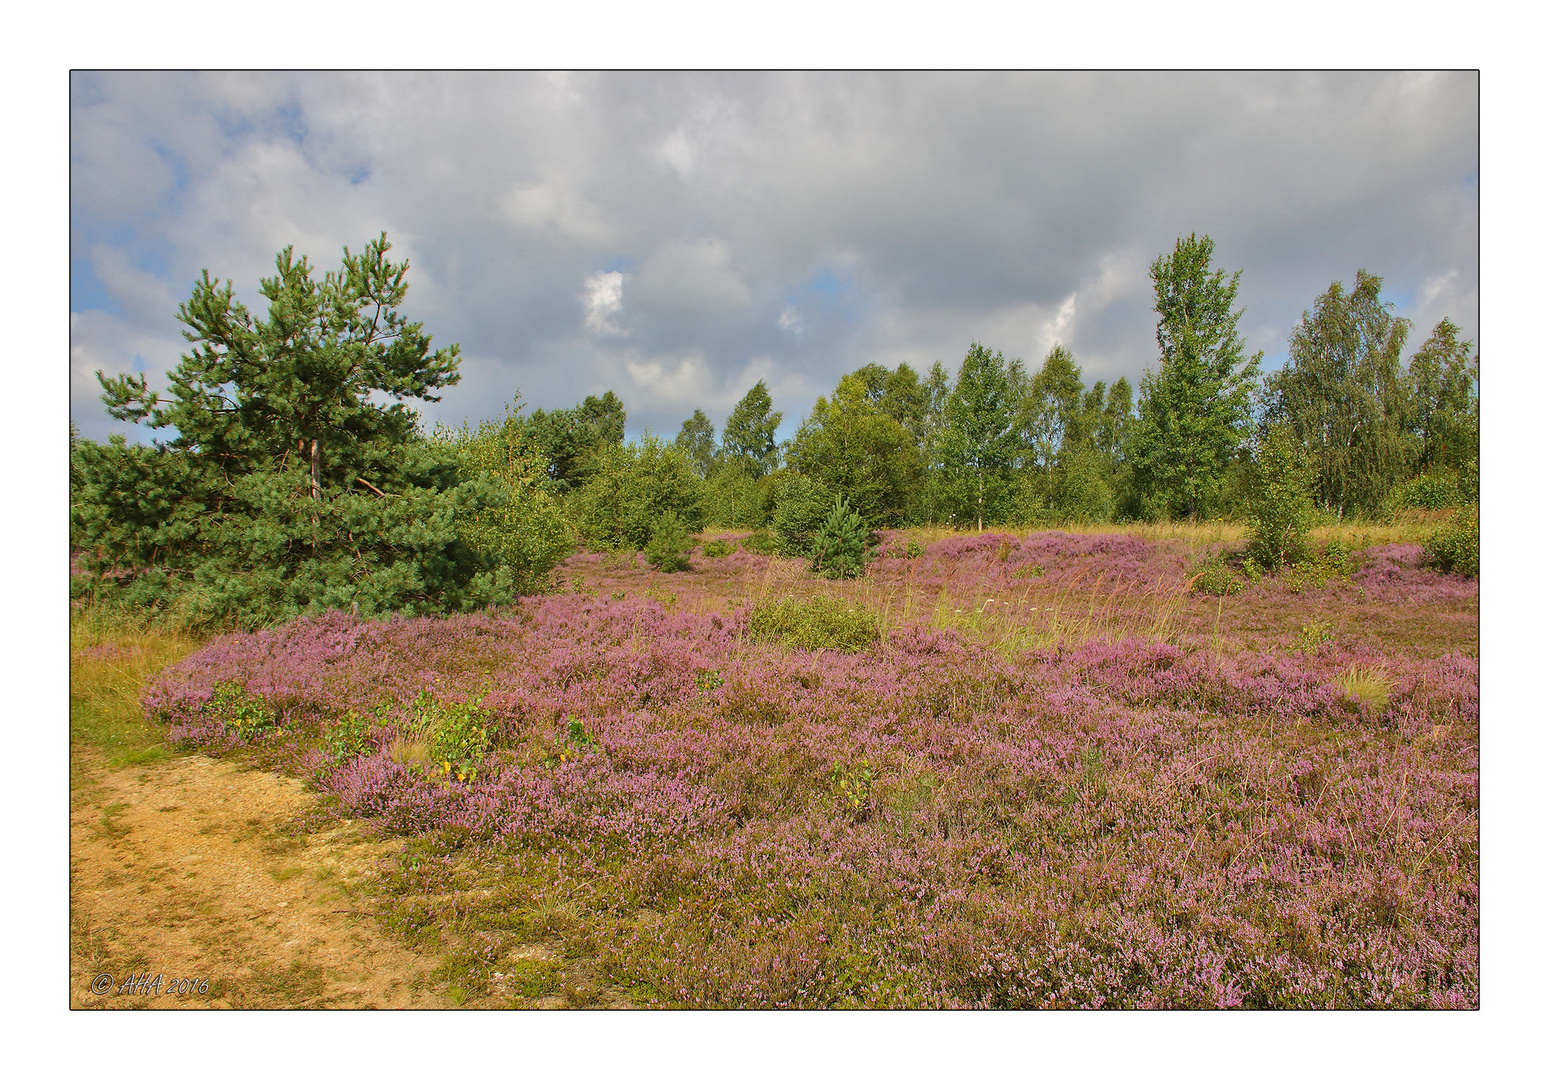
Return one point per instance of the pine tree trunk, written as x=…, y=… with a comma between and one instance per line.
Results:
x=317, y=491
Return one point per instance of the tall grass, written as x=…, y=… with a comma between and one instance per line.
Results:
x=111, y=660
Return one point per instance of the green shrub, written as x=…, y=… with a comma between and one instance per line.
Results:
x=631, y=488
x=761, y=542
x=523, y=527
x=1435, y=491
x=1280, y=511
x=737, y=499
x=802, y=505
x=1454, y=548
x=719, y=549
x=818, y=623
x=669, y=546
x=346, y=737
x=1313, y=636
x=1217, y=579
x=243, y=713
x=458, y=732
x=842, y=546
x=1081, y=489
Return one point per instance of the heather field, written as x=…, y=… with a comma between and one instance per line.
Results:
x=1030, y=770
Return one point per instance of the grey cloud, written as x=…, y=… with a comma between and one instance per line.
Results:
x=897, y=216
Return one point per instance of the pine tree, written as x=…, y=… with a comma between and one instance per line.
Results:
x=288, y=486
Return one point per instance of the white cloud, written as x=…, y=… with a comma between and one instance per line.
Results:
x=790, y=320
x=680, y=153
x=604, y=301
x=554, y=206
x=145, y=298
x=1435, y=285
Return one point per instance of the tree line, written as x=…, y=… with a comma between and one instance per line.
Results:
x=296, y=477
x=999, y=443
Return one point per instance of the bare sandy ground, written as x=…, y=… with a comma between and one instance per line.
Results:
x=199, y=870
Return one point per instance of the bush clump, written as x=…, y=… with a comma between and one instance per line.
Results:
x=631, y=488
x=1215, y=578
x=842, y=547
x=817, y=623
x=761, y=542
x=1433, y=491
x=1280, y=510
x=802, y=505
x=719, y=549
x=1454, y=548
x=669, y=545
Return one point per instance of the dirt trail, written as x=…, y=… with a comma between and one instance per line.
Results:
x=195, y=868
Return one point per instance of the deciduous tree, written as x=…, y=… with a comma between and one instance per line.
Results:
x=1194, y=411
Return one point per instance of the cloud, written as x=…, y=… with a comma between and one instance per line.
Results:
x=604, y=301
x=693, y=278
x=699, y=212
x=554, y=206
x=100, y=341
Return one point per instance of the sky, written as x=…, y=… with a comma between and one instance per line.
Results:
x=675, y=237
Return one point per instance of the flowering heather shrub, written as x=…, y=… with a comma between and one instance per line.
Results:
x=720, y=822
x=1396, y=573
x=998, y=559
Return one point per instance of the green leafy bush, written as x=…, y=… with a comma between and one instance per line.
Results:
x=761, y=542
x=458, y=733
x=842, y=546
x=802, y=505
x=243, y=713
x=574, y=742
x=1434, y=491
x=719, y=549
x=818, y=623
x=346, y=737
x=1217, y=579
x=1280, y=511
x=631, y=488
x=669, y=545
x=1454, y=548
x=1081, y=490
x=523, y=527
x=1313, y=636
x=737, y=499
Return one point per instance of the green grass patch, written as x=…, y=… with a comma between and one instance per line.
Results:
x=110, y=663
x=820, y=622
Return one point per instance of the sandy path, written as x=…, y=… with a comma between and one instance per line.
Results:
x=195, y=868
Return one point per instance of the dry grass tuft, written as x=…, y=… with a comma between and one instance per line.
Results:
x=1368, y=685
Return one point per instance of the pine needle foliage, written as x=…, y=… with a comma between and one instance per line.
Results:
x=841, y=547
x=288, y=487
x=669, y=545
